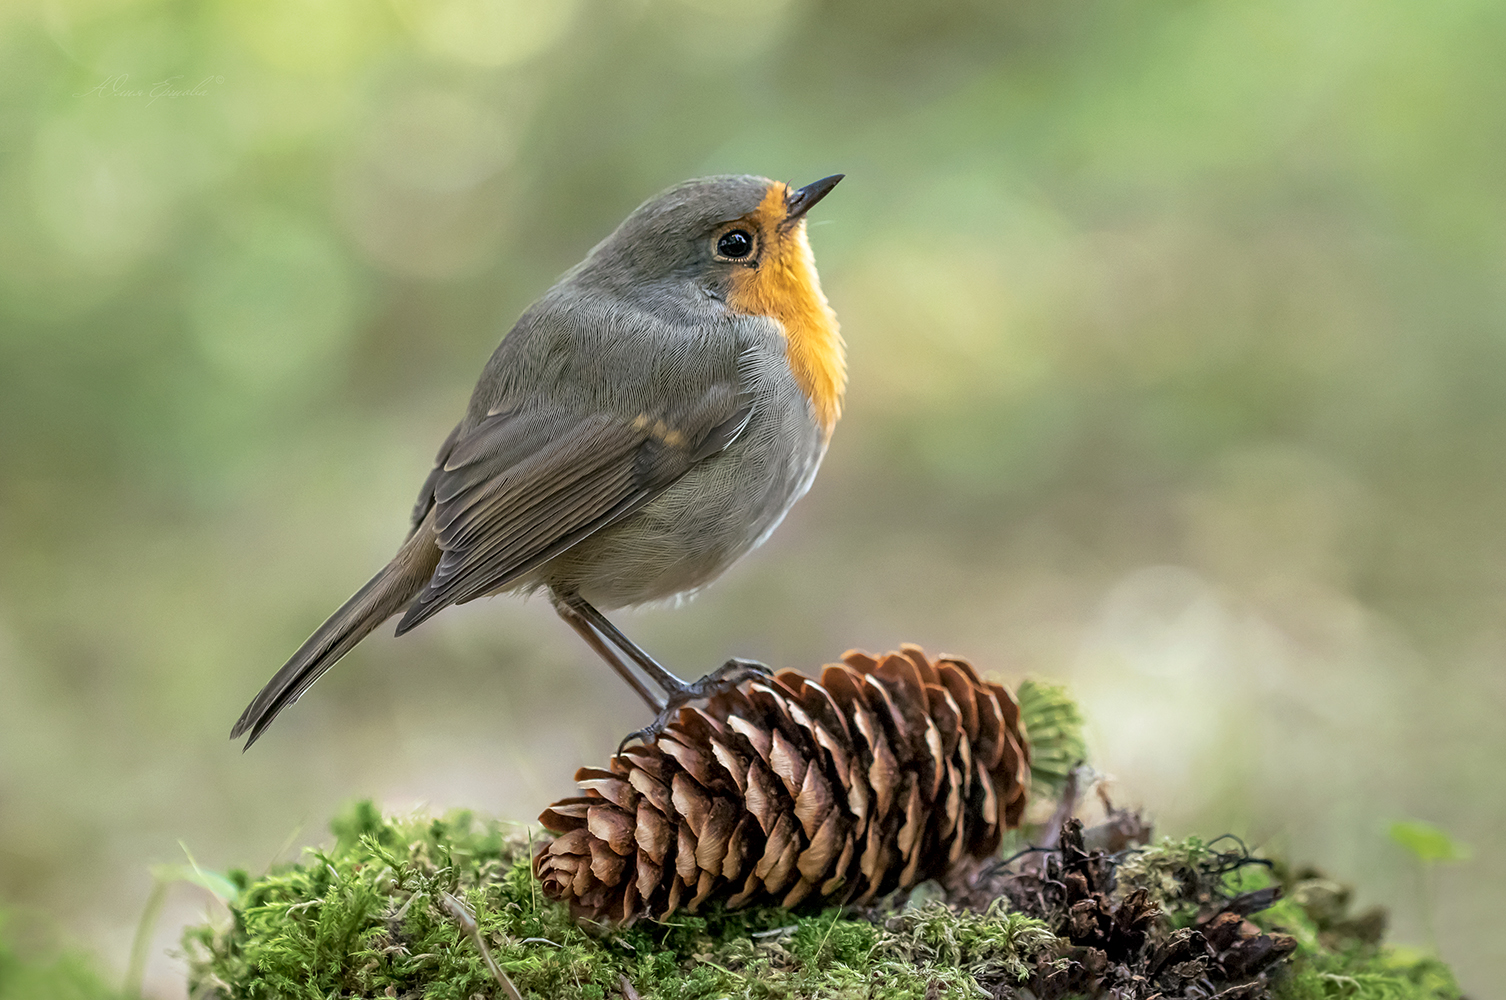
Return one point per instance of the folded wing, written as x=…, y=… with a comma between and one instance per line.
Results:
x=522, y=487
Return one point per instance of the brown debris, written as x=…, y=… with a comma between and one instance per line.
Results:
x=889, y=771
x=1121, y=946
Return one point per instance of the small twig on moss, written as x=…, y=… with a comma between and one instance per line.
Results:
x=775, y=931
x=835, y=916
x=463, y=916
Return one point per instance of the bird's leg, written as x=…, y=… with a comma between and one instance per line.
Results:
x=593, y=639
x=598, y=621
x=678, y=693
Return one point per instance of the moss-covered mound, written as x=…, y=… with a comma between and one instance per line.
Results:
x=437, y=908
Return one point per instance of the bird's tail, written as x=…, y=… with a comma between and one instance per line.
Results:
x=384, y=595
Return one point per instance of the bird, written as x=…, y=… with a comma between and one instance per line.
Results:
x=650, y=419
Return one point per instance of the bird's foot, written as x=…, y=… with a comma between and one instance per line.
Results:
x=721, y=680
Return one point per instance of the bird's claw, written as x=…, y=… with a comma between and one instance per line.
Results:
x=726, y=677
x=721, y=680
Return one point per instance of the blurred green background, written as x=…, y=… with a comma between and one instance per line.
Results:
x=1178, y=371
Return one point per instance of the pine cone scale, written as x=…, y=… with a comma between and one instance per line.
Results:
x=685, y=865
x=734, y=763
x=612, y=827
x=652, y=833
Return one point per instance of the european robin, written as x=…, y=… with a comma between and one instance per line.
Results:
x=644, y=424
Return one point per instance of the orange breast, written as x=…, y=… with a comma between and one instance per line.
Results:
x=785, y=286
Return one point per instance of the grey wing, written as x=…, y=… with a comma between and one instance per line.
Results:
x=426, y=493
x=524, y=486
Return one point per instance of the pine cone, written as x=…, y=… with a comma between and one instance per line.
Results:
x=786, y=791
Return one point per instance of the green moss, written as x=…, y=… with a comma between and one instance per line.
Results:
x=1181, y=875
x=1172, y=870
x=361, y=918
x=365, y=917
x=992, y=945
x=1339, y=956
x=1368, y=974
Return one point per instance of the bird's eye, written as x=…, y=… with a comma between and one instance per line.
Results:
x=735, y=245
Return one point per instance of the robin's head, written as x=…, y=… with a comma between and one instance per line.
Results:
x=739, y=240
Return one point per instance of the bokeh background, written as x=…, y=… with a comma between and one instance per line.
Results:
x=1178, y=372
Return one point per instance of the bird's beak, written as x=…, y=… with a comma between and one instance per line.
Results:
x=799, y=202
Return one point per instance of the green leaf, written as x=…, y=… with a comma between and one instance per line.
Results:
x=1427, y=843
x=216, y=883
x=221, y=886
